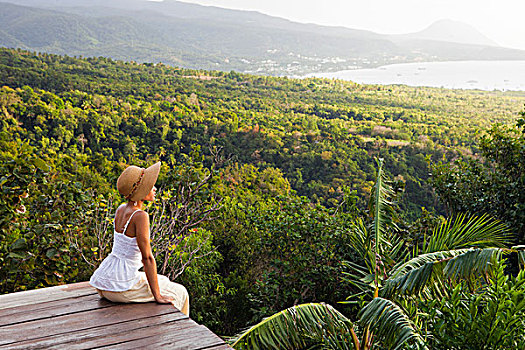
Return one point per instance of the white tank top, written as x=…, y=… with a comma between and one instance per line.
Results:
x=119, y=270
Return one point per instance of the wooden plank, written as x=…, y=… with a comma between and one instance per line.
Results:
x=218, y=347
x=75, y=317
x=191, y=340
x=45, y=294
x=146, y=333
x=165, y=337
x=75, y=322
x=52, y=309
x=37, y=305
x=79, y=339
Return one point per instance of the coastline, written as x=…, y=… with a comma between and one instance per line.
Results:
x=470, y=75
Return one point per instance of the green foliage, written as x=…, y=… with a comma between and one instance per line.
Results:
x=464, y=231
x=425, y=277
x=299, y=249
x=491, y=317
x=185, y=202
x=209, y=295
x=390, y=324
x=278, y=249
x=36, y=250
x=292, y=197
x=494, y=184
x=299, y=327
x=418, y=273
x=382, y=217
x=320, y=140
x=19, y=170
x=447, y=246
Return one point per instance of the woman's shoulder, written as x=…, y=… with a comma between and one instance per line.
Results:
x=120, y=208
x=141, y=214
x=123, y=213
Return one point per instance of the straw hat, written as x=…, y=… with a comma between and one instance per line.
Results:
x=135, y=183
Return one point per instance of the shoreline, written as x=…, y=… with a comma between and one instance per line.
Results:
x=463, y=75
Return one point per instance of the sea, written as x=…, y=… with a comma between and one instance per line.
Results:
x=481, y=75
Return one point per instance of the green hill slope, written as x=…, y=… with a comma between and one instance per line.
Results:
x=322, y=134
x=68, y=127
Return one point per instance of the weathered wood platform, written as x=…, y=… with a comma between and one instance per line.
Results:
x=75, y=317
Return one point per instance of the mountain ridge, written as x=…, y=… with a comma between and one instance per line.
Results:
x=449, y=31
x=215, y=38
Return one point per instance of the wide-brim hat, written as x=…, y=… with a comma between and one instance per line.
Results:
x=135, y=183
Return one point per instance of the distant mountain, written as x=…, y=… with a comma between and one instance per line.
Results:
x=449, y=31
x=206, y=37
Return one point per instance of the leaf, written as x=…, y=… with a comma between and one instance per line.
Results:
x=39, y=163
x=474, y=262
x=389, y=323
x=412, y=276
x=19, y=244
x=51, y=253
x=382, y=209
x=521, y=255
x=17, y=255
x=462, y=264
x=382, y=206
x=463, y=231
x=299, y=327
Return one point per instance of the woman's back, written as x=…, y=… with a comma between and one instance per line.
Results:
x=123, y=217
x=119, y=270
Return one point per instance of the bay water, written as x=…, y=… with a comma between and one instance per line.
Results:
x=482, y=75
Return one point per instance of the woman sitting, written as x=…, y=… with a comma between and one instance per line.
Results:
x=118, y=277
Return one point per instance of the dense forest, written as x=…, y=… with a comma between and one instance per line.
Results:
x=270, y=183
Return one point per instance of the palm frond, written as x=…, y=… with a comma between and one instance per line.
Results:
x=299, y=327
x=415, y=275
x=412, y=276
x=474, y=262
x=521, y=255
x=397, y=250
x=464, y=231
x=359, y=276
x=361, y=241
x=382, y=205
x=383, y=212
x=389, y=323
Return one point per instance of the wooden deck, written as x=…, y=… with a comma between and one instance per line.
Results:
x=75, y=317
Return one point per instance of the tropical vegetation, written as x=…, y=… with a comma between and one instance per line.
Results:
x=493, y=183
x=271, y=195
x=449, y=291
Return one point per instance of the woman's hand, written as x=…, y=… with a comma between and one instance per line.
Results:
x=164, y=300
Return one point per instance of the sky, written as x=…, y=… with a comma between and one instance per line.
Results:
x=502, y=21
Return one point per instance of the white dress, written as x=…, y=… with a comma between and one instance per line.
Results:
x=119, y=271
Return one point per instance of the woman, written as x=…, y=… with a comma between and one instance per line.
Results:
x=118, y=278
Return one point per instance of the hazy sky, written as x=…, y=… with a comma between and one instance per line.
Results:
x=503, y=21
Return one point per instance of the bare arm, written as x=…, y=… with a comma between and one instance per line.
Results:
x=150, y=265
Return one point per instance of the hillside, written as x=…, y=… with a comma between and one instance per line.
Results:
x=286, y=168
x=321, y=134
x=204, y=37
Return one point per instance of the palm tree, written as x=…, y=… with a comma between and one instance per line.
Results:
x=460, y=248
x=306, y=326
